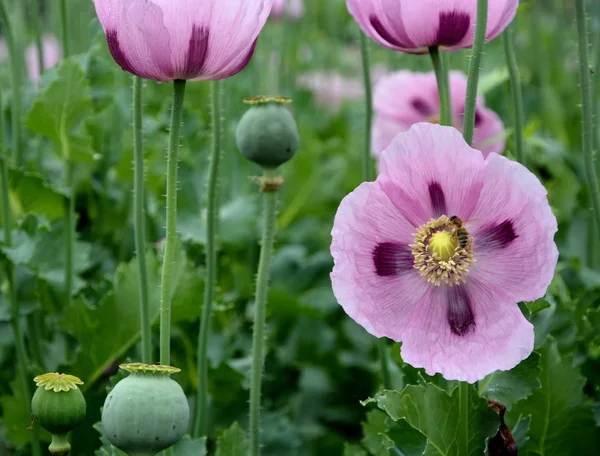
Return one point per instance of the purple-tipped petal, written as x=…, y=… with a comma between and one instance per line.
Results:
x=414, y=26
x=166, y=40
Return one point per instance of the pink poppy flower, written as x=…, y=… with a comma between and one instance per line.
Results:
x=52, y=55
x=405, y=98
x=294, y=9
x=438, y=251
x=414, y=26
x=182, y=39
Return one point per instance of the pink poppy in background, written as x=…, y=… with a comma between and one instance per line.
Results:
x=294, y=9
x=166, y=40
x=438, y=251
x=414, y=26
x=331, y=89
x=52, y=55
x=404, y=98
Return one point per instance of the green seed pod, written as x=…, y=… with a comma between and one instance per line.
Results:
x=145, y=412
x=59, y=407
x=267, y=133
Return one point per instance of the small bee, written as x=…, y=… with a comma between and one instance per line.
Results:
x=460, y=232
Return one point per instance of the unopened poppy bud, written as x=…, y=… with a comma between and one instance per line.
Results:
x=59, y=407
x=146, y=412
x=267, y=133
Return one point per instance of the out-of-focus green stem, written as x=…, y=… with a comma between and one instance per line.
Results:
x=36, y=22
x=474, y=68
x=64, y=28
x=212, y=220
x=15, y=61
x=587, y=111
x=171, y=235
x=258, y=334
x=516, y=93
x=15, y=308
x=463, y=418
x=367, y=160
x=441, y=75
x=139, y=222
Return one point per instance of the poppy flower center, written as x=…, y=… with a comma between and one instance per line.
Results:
x=443, y=251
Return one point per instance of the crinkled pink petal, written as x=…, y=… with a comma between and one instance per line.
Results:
x=414, y=26
x=429, y=171
x=501, y=337
x=370, y=236
x=384, y=131
x=513, y=229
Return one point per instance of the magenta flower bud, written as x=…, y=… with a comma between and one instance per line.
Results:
x=166, y=40
x=414, y=26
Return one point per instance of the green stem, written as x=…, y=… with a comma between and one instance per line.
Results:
x=258, y=335
x=15, y=311
x=171, y=236
x=139, y=222
x=386, y=379
x=474, y=68
x=15, y=82
x=463, y=417
x=441, y=75
x=516, y=93
x=587, y=111
x=64, y=28
x=368, y=169
x=35, y=14
x=212, y=219
x=70, y=222
x=367, y=160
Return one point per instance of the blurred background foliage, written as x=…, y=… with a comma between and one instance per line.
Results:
x=320, y=364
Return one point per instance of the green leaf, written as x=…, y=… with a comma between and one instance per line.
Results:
x=561, y=422
x=537, y=306
x=233, y=442
x=381, y=434
x=353, y=450
x=29, y=194
x=434, y=413
x=107, y=332
x=59, y=111
x=189, y=447
x=509, y=387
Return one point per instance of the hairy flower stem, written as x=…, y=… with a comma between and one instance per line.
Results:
x=70, y=221
x=171, y=235
x=35, y=16
x=212, y=219
x=463, y=417
x=262, y=288
x=587, y=111
x=368, y=169
x=367, y=161
x=15, y=62
x=139, y=222
x=516, y=93
x=474, y=67
x=64, y=28
x=15, y=310
x=441, y=75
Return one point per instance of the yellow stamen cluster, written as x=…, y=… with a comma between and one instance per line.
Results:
x=439, y=256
